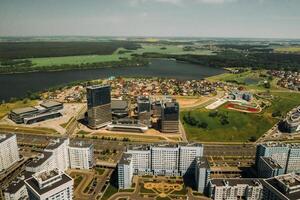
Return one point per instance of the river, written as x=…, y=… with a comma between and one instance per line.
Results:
x=17, y=85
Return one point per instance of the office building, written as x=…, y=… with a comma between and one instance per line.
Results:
x=170, y=117
x=163, y=159
x=81, y=155
x=119, y=108
x=29, y=115
x=125, y=171
x=52, y=184
x=43, y=161
x=286, y=155
x=268, y=167
x=99, y=106
x=59, y=149
x=291, y=124
x=144, y=110
x=284, y=187
x=156, y=108
x=234, y=189
x=9, y=152
x=16, y=190
x=202, y=174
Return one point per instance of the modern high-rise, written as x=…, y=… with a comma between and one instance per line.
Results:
x=144, y=110
x=286, y=155
x=235, y=188
x=99, y=106
x=9, y=152
x=267, y=167
x=202, y=174
x=170, y=117
x=141, y=159
x=125, y=171
x=16, y=190
x=187, y=155
x=163, y=159
x=43, y=161
x=51, y=184
x=81, y=155
x=59, y=149
x=283, y=187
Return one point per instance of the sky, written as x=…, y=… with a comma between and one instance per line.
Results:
x=151, y=18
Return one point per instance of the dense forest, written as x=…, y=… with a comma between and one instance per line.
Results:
x=235, y=59
x=20, y=50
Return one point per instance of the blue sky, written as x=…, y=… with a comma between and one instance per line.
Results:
x=197, y=18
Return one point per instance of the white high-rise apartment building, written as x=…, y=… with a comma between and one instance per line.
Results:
x=50, y=185
x=286, y=155
x=81, y=155
x=187, y=155
x=125, y=171
x=9, y=153
x=141, y=160
x=43, y=161
x=235, y=188
x=59, y=148
x=165, y=160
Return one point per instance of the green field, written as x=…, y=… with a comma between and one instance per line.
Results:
x=7, y=107
x=170, y=49
x=116, y=56
x=291, y=49
x=76, y=60
x=241, y=126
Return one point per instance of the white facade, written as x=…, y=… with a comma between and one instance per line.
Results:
x=125, y=171
x=165, y=160
x=81, y=156
x=44, y=161
x=16, y=190
x=234, y=189
x=50, y=185
x=169, y=160
x=9, y=153
x=187, y=155
x=202, y=174
x=59, y=148
x=141, y=160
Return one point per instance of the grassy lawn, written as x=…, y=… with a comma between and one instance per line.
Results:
x=169, y=49
x=30, y=130
x=241, y=126
x=69, y=60
x=77, y=180
x=126, y=190
x=111, y=190
x=100, y=171
x=295, y=49
x=5, y=108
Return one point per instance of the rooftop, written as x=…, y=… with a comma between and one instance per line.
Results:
x=119, y=104
x=40, y=159
x=92, y=87
x=45, y=175
x=50, y=104
x=202, y=162
x=287, y=185
x=235, y=181
x=19, y=111
x=55, y=143
x=4, y=137
x=125, y=159
x=271, y=162
x=80, y=145
x=15, y=185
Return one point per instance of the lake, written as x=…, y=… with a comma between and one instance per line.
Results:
x=17, y=85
